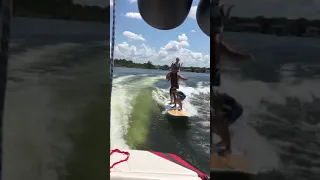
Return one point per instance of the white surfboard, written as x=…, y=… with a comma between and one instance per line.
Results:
x=173, y=111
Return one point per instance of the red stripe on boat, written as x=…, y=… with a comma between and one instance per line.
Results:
x=161, y=155
x=176, y=159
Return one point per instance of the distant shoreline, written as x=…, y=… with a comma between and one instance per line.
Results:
x=275, y=26
x=54, y=18
x=162, y=69
x=130, y=64
x=67, y=11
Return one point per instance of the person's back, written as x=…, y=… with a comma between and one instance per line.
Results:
x=174, y=79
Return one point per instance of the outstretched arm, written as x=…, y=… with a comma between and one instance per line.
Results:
x=227, y=50
x=182, y=78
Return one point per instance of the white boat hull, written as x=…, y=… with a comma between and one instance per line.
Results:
x=145, y=165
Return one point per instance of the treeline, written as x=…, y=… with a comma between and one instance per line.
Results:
x=60, y=9
x=150, y=65
x=131, y=64
x=279, y=26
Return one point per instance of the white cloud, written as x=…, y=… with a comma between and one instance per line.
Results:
x=164, y=55
x=184, y=43
x=193, y=12
x=193, y=30
x=133, y=15
x=183, y=37
x=134, y=36
x=183, y=40
x=132, y=1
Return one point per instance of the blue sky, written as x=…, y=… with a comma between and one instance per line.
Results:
x=136, y=40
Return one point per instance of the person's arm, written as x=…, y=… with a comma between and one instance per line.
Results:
x=227, y=50
x=182, y=78
x=168, y=76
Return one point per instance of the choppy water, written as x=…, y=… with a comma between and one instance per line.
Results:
x=279, y=130
x=138, y=121
x=55, y=123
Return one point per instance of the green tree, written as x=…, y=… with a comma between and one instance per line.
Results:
x=165, y=67
x=150, y=65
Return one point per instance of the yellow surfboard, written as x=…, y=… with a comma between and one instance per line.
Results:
x=177, y=113
x=233, y=163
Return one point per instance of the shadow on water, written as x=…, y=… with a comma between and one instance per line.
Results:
x=178, y=123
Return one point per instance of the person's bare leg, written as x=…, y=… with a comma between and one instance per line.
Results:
x=216, y=115
x=171, y=98
x=219, y=127
x=175, y=100
x=221, y=143
x=180, y=104
x=225, y=137
x=222, y=127
x=221, y=124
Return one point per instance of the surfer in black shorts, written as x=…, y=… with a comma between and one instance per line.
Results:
x=231, y=111
x=174, y=78
x=178, y=97
x=220, y=117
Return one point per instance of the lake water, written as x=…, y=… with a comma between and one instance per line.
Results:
x=280, y=128
x=138, y=120
x=56, y=99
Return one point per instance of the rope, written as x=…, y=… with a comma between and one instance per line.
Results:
x=121, y=152
x=6, y=17
x=112, y=44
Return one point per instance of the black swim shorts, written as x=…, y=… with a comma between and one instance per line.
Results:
x=181, y=95
x=231, y=108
